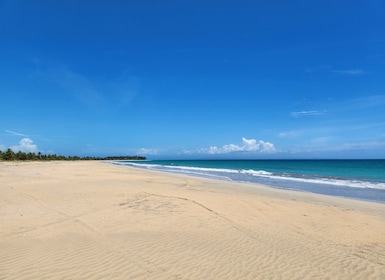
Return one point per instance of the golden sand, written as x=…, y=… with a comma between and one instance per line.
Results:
x=94, y=220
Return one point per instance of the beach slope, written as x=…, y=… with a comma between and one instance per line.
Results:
x=95, y=220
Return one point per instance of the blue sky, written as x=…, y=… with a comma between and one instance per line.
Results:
x=194, y=79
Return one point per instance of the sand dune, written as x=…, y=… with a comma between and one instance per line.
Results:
x=94, y=220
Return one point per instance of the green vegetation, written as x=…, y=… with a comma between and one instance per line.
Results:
x=10, y=155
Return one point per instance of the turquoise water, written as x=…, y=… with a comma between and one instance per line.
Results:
x=358, y=179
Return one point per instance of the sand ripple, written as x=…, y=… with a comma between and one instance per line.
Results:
x=96, y=221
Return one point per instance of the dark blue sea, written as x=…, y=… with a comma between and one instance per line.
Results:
x=356, y=179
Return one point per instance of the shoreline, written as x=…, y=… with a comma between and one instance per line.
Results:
x=366, y=193
x=89, y=220
x=264, y=189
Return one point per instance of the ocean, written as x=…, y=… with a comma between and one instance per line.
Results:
x=356, y=179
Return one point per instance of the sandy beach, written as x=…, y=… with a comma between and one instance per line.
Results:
x=95, y=220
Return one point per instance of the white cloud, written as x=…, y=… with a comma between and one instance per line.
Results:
x=25, y=145
x=351, y=72
x=322, y=140
x=248, y=145
x=366, y=102
x=330, y=69
x=360, y=146
x=72, y=84
x=307, y=113
x=15, y=133
x=144, y=151
x=291, y=134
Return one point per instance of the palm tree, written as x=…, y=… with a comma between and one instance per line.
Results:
x=9, y=155
x=21, y=156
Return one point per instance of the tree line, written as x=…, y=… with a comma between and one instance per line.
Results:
x=10, y=155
